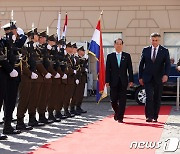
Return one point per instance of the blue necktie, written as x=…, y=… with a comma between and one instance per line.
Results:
x=119, y=59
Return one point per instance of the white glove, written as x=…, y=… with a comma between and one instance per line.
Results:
x=14, y=38
x=178, y=68
x=57, y=76
x=64, y=76
x=85, y=56
x=34, y=76
x=20, y=31
x=77, y=81
x=49, y=47
x=86, y=70
x=14, y=73
x=48, y=76
x=75, y=71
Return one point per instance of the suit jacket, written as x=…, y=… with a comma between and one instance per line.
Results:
x=156, y=70
x=115, y=73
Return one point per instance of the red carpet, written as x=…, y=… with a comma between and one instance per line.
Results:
x=110, y=137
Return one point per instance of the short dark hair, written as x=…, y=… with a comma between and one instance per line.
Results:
x=155, y=35
x=119, y=39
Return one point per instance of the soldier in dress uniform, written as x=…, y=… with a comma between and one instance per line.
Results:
x=45, y=49
x=77, y=80
x=62, y=70
x=24, y=91
x=79, y=92
x=12, y=43
x=4, y=65
x=35, y=66
x=70, y=86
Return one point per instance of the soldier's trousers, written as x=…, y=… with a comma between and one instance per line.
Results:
x=12, y=91
x=60, y=97
x=69, y=91
x=33, y=98
x=24, y=93
x=3, y=87
x=44, y=95
x=78, y=95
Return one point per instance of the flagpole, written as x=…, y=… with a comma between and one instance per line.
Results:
x=101, y=15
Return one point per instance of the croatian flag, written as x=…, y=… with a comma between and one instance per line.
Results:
x=96, y=49
x=65, y=27
x=59, y=26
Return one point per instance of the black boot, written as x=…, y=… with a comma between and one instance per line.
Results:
x=75, y=112
x=3, y=137
x=51, y=117
x=21, y=125
x=68, y=114
x=33, y=122
x=59, y=115
x=43, y=119
x=79, y=109
x=8, y=129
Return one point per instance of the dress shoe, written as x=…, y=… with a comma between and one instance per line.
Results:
x=53, y=118
x=43, y=119
x=11, y=130
x=148, y=120
x=34, y=123
x=3, y=137
x=23, y=126
x=59, y=115
x=120, y=121
x=155, y=120
x=68, y=114
x=115, y=117
x=80, y=110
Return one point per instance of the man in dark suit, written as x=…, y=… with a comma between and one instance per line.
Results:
x=117, y=65
x=154, y=68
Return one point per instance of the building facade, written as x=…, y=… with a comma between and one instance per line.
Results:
x=133, y=20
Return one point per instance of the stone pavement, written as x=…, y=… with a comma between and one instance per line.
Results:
x=30, y=140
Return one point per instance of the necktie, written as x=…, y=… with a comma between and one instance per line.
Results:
x=119, y=59
x=154, y=55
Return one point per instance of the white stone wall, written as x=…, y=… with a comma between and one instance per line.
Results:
x=137, y=19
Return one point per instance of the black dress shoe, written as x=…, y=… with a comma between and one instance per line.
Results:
x=80, y=110
x=11, y=130
x=68, y=114
x=120, y=121
x=3, y=137
x=23, y=127
x=33, y=122
x=45, y=120
x=155, y=120
x=115, y=117
x=59, y=115
x=148, y=120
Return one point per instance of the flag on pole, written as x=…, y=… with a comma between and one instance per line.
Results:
x=96, y=49
x=65, y=27
x=59, y=27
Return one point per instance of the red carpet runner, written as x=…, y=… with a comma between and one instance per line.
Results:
x=110, y=137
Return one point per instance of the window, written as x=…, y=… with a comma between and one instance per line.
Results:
x=172, y=42
x=108, y=42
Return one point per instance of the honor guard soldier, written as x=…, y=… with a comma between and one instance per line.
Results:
x=77, y=78
x=70, y=86
x=47, y=81
x=79, y=92
x=57, y=88
x=35, y=66
x=62, y=70
x=12, y=42
x=4, y=66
